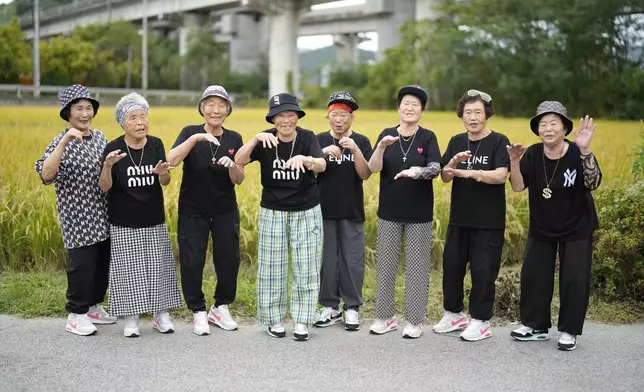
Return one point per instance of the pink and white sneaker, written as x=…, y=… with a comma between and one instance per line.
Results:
x=79, y=324
x=477, y=330
x=451, y=322
x=381, y=326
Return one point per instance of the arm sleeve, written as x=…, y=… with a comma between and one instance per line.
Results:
x=433, y=160
x=592, y=173
x=60, y=173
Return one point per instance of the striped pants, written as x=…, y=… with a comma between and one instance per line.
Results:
x=299, y=233
x=418, y=250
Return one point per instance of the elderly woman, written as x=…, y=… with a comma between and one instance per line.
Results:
x=143, y=276
x=73, y=162
x=341, y=199
x=560, y=176
x=208, y=208
x=290, y=219
x=407, y=158
x=477, y=162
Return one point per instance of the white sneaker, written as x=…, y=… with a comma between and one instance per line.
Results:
x=451, y=322
x=351, y=322
x=221, y=317
x=526, y=334
x=200, y=324
x=412, y=331
x=276, y=330
x=131, y=329
x=567, y=342
x=80, y=324
x=477, y=330
x=300, y=332
x=381, y=326
x=162, y=322
x=98, y=315
x=328, y=317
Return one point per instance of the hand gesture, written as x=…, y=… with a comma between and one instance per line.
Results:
x=461, y=157
x=226, y=162
x=409, y=173
x=162, y=168
x=388, y=140
x=333, y=150
x=348, y=143
x=516, y=150
x=113, y=157
x=207, y=137
x=268, y=140
x=73, y=134
x=296, y=163
x=584, y=135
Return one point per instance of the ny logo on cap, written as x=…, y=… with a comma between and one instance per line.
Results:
x=276, y=100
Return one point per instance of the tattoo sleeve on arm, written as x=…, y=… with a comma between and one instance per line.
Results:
x=432, y=170
x=592, y=174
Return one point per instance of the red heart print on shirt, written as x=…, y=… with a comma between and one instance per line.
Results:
x=420, y=150
x=231, y=151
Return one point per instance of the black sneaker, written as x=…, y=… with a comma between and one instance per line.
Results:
x=276, y=330
x=328, y=317
x=300, y=332
x=567, y=342
x=526, y=334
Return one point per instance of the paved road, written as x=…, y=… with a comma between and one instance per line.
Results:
x=39, y=355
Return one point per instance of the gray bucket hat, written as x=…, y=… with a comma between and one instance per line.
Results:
x=71, y=94
x=342, y=97
x=547, y=107
x=215, y=91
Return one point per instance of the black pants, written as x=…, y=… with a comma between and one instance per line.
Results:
x=87, y=276
x=193, y=236
x=482, y=249
x=537, y=283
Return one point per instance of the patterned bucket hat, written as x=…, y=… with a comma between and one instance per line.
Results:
x=342, y=97
x=547, y=107
x=71, y=94
x=215, y=91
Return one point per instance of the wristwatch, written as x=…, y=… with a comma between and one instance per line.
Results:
x=480, y=176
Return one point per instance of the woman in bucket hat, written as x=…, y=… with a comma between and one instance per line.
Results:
x=143, y=276
x=341, y=199
x=208, y=208
x=477, y=162
x=560, y=176
x=408, y=159
x=290, y=219
x=72, y=161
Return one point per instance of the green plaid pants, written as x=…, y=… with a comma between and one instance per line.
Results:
x=301, y=233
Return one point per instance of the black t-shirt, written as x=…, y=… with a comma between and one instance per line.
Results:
x=341, y=195
x=286, y=189
x=136, y=198
x=206, y=188
x=477, y=204
x=407, y=199
x=569, y=214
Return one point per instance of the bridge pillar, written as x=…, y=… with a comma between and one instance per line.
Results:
x=424, y=9
x=283, y=54
x=247, y=45
x=347, y=45
x=189, y=23
x=389, y=32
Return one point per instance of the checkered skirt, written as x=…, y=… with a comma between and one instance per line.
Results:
x=143, y=274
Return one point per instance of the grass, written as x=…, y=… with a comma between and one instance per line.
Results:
x=31, y=249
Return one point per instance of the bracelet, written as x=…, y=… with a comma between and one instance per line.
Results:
x=480, y=177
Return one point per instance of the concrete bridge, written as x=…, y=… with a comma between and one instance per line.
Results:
x=254, y=29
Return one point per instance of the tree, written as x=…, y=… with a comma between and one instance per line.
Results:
x=67, y=60
x=205, y=61
x=15, y=53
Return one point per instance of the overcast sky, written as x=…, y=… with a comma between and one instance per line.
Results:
x=320, y=41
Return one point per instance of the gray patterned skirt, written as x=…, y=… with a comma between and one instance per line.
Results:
x=143, y=274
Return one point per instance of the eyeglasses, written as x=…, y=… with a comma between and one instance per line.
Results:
x=484, y=96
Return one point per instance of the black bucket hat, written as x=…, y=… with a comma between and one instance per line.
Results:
x=342, y=97
x=71, y=94
x=283, y=102
x=547, y=107
x=416, y=91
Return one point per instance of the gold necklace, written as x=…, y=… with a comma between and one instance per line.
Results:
x=547, y=192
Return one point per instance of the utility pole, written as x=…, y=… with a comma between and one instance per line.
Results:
x=36, y=50
x=144, y=50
